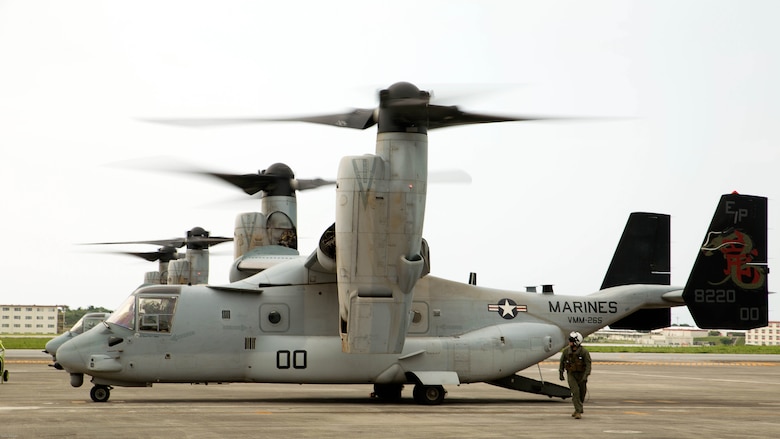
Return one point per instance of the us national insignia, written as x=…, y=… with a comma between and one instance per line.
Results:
x=507, y=308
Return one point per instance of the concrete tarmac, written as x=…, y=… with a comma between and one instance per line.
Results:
x=630, y=395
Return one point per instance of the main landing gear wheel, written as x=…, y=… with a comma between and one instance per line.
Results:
x=388, y=392
x=5, y=375
x=429, y=395
x=100, y=393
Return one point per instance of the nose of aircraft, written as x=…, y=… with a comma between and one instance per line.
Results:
x=56, y=342
x=69, y=356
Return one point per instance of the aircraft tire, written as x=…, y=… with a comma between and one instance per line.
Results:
x=428, y=395
x=5, y=375
x=100, y=393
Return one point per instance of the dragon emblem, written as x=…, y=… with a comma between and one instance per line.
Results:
x=737, y=249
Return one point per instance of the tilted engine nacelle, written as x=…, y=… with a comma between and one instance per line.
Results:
x=249, y=232
x=178, y=272
x=193, y=269
x=379, y=219
x=258, y=238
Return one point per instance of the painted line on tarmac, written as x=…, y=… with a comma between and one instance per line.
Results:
x=27, y=361
x=691, y=378
x=681, y=363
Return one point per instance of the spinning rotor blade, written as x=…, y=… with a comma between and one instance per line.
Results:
x=173, y=243
x=254, y=183
x=249, y=183
x=197, y=237
x=303, y=185
x=401, y=105
x=359, y=118
x=164, y=254
x=441, y=117
x=199, y=122
x=451, y=176
x=278, y=179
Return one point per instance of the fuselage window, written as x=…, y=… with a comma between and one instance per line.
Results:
x=156, y=313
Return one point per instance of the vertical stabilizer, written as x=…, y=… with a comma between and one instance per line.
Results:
x=727, y=287
x=642, y=257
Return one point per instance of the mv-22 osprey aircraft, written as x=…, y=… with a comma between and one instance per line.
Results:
x=262, y=239
x=362, y=309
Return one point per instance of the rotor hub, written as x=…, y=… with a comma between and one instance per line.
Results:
x=403, y=90
x=403, y=108
x=279, y=170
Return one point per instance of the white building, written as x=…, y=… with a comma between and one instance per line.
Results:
x=766, y=336
x=29, y=319
x=679, y=336
x=673, y=336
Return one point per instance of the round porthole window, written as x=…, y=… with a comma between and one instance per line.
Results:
x=274, y=317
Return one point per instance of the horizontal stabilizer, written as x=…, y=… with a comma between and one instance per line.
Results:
x=645, y=320
x=727, y=287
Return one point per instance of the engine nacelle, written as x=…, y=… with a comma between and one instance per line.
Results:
x=249, y=232
x=326, y=249
x=179, y=272
x=379, y=219
x=155, y=278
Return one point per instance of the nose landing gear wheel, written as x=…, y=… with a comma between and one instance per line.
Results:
x=100, y=393
x=428, y=395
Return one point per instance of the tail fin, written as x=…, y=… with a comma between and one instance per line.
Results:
x=727, y=287
x=642, y=257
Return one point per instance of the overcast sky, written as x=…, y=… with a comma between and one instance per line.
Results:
x=691, y=87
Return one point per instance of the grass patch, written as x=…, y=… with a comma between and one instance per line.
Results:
x=718, y=349
x=25, y=342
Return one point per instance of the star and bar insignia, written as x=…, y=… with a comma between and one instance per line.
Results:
x=507, y=308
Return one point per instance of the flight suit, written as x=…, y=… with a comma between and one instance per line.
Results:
x=577, y=366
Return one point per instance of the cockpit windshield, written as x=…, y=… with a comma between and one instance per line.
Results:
x=124, y=316
x=87, y=322
x=78, y=328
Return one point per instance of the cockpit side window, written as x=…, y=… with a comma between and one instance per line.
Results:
x=124, y=316
x=91, y=323
x=78, y=328
x=155, y=313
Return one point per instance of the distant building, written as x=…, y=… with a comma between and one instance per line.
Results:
x=673, y=336
x=679, y=336
x=766, y=336
x=619, y=336
x=30, y=319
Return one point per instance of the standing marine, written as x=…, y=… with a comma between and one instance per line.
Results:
x=575, y=360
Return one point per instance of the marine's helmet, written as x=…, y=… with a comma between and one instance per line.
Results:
x=576, y=338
